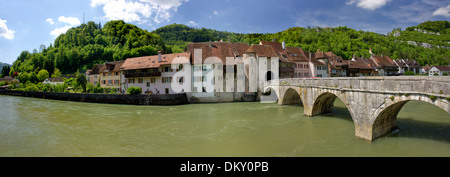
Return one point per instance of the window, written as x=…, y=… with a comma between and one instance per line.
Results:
x=140, y=80
x=104, y=74
x=109, y=73
x=117, y=73
x=104, y=82
x=131, y=81
x=116, y=82
x=167, y=91
x=148, y=84
x=95, y=76
x=167, y=69
x=109, y=82
x=166, y=79
x=153, y=80
x=95, y=82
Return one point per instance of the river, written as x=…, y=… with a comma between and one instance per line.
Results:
x=39, y=127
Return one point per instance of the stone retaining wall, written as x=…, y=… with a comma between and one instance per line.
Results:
x=173, y=99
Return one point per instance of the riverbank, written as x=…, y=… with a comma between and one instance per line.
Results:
x=172, y=99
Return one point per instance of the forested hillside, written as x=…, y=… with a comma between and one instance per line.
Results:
x=342, y=41
x=89, y=44
x=80, y=48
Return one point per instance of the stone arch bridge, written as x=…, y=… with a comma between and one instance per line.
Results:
x=373, y=102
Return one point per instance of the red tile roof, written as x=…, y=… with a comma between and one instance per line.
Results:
x=221, y=50
x=358, y=63
x=262, y=50
x=443, y=68
x=384, y=61
x=96, y=69
x=114, y=65
x=284, y=55
x=148, y=62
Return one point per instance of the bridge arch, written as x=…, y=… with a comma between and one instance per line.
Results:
x=291, y=96
x=324, y=104
x=384, y=119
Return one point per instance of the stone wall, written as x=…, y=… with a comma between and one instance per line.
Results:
x=173, y=99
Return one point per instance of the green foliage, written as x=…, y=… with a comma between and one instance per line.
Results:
x=445, y=74
x=5, y=71
x=56, y=73
x=134, y=90
x=432, y=97
x=2, y=83
x=59, y=88
x=409, y=73
x=42, y=75
x=392, y=98
x=33, y=77
x=435, y=74
x=81, y=80
x=88, y=44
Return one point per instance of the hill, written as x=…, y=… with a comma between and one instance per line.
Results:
x=426, y=48
x=80, y=48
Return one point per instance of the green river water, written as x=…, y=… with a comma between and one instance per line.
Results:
x=39, y=127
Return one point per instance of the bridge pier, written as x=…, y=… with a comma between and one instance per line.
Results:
x=373, y=103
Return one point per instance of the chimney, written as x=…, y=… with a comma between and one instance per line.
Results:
x=310, y=56
x=354, y=56
x=229, y=39
x=210, y=44
x=284, y=45
x=370, y=51
x=159, y=56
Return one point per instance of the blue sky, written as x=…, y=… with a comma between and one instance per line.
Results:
x=26, y=24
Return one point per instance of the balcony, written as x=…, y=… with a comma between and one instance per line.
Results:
x=286, y=69
x=151, y=74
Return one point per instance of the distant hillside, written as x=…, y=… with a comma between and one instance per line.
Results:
x=426, y=48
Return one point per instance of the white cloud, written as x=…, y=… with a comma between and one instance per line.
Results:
x=4, y=31
x=69, y=23
x=192, y=23
x=443, y=11
x=368, y=4
x=216, y=12
x=140, y=11
x=73, y=21
x=56, y=32
x=50, y=20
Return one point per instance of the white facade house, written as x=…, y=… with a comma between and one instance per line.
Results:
x=53, y=81
x=155, y=74
x=439, y=71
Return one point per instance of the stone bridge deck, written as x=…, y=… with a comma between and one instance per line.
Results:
x=373, y=102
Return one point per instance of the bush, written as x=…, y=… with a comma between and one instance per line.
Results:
x=409, y=73
x=432, y=97
x=134, y=91
x=97, y=90
x=2, y=83
x=445, y=74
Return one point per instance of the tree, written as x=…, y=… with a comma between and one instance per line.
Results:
x=33, y=77
x=42, y=75
x=5, y=71
x=81, y=80
x=56, y=74
x=23, y=77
